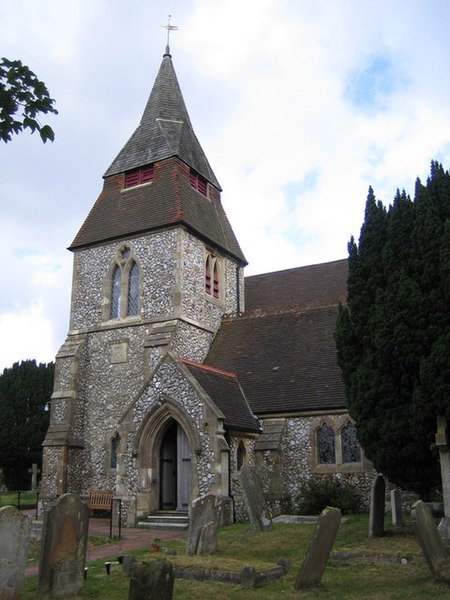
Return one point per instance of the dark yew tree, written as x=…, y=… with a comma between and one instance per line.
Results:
x=393, y=336
x=25, y=391
x=23, y=98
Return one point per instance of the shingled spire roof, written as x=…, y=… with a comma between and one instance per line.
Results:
x=165, y=142
x=165, y=130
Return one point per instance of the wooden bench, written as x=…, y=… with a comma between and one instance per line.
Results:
x=100, y=500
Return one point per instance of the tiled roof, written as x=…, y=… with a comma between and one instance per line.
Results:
x=167, y=201
x=282, y=348
x=285, y=362
x=165, y=130
x=314, y=285
x=224, y=390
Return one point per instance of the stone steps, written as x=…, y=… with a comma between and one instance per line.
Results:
x=166, y=520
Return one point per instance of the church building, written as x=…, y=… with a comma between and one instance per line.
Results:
x=176, y=369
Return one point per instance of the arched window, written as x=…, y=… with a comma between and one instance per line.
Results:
x=212, y=276
x=115, y=441
x=124, y=300
x=241, y=455
x=133, y=290
x=116, y=280
x=351, y=450
x=326, y=453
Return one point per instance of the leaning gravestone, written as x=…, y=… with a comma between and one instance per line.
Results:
x=255, y=501
x=152, y=581
x=319, y=549
x=431, y=542
x=63, y=547
x=14, y=535
x=376, y=512
x=203, y=525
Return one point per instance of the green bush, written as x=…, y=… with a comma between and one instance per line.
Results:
x=322, y=491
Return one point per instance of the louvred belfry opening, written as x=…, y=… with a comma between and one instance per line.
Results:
x=139, y=176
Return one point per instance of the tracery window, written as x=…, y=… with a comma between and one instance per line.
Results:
x=351, y=450
x=326, y=451
x=212, y=282
x=124, y=291
x=115, y=441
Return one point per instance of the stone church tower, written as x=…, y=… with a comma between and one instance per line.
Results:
x=156, y=266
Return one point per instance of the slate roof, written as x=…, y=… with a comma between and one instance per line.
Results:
x=284, y=355
x=224, y=390
x=164, y=137
x=165, y=130
x=313, y=285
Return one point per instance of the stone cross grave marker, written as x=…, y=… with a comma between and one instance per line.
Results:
x=34, y=476
x=319, y=549
x=151, y=580
x=204, y=522
x=255, y=501
x=396, y=508
x=376, y=511
x=14, y=535
x=63, y=547
x=431, y=542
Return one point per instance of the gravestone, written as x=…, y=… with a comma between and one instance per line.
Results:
x=442, y=444
x=34, y=476
x=14, y=535
x=152, y=581
x=204, y=522
x=377, y=502
x=396, y=508
x=431, y=542
x=63, y=547
x=255, y=501
x=319, y=549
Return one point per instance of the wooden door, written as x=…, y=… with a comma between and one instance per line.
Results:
x=183, y=470
x=168, y=491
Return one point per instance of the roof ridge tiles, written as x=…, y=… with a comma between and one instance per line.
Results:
x=204, y=367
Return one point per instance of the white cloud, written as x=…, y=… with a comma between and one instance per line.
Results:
x=266, y=85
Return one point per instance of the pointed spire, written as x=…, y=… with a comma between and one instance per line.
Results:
x=165, y=130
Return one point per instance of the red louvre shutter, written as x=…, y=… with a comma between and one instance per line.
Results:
x=216, y=281
x=138, y=176
x=131, y=178
x=208, y=276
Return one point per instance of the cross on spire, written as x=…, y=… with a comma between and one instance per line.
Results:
x=169, y=28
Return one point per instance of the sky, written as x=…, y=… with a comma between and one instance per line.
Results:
x=299, y=105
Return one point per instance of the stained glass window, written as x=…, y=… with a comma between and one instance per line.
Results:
x=351, y=451
x=326, y=452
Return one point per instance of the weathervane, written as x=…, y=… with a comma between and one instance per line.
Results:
x=169, y=28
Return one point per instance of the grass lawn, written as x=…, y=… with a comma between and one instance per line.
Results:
x=12, y=499
x=372, y=574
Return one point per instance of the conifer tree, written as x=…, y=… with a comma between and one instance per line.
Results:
x=393, y=335
x=25, y=391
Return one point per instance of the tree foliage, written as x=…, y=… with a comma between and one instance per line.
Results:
x=25, y=391
x=393, y=336
x=22, y=98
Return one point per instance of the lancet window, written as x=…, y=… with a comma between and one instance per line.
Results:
x=124, y=291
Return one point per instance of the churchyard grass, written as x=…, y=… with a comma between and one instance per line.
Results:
x=26, y=499
x=369, y=572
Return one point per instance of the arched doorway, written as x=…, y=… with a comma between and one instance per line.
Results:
x=175, y=468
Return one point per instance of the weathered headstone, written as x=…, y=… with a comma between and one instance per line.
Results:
x=442, y=443
x=377, y=502
x=255, y=502
x=63, y=547
x=319, y=549
x=396, y=508
x=14, y=535
x=431, y=542
x=204, y=522
x=152, y=581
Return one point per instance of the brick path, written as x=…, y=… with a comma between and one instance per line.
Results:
x=131, y=539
